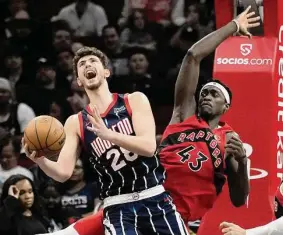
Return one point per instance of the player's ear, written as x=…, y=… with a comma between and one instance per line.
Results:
x=79, y=82
x=226, y=108
x=106, y=73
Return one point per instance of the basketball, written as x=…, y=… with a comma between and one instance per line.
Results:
x=46, y=135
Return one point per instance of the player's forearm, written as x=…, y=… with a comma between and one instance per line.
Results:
x=238, y=181
x=273, y=228
x=210, y=42
x=53, y=169
x=140, y=145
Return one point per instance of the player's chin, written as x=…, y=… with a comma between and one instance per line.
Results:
x=92, y=84
x=206, y=113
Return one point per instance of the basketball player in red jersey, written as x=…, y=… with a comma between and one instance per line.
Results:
x=196, y=146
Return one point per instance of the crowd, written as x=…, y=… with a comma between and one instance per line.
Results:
x=145, y=42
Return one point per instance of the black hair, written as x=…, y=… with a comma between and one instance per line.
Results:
x=131, y=19
x=110, y=26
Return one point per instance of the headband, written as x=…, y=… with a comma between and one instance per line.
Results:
x=220, y=87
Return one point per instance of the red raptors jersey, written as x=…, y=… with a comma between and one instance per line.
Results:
x=193, y=158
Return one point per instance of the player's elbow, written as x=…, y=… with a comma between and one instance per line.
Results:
x=64, y=174
x=63, y=177
x=150, y=149
x=193, y=54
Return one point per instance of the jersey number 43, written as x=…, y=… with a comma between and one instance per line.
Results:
x=186, y=154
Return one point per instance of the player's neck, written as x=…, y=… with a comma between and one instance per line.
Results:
x=213, y=124
x=100, y=97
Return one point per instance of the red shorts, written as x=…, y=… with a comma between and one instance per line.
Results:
x=90, y=225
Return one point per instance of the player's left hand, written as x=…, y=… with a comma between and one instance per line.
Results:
x=235, y=147
x=231, y=229
x=98, y=125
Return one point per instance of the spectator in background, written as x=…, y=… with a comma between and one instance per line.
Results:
x=18, y=10
x=57, y=111
x=45, y=90
x=78, y=100
x=138, y=32
x=76, y=46
x=15, y=71
x=84, y=17
x=78, y=194
x=59, y=216
x=64, y=64
x=10, y=148
x=62, y=36
x=115, y=51
x=139, y=78
x=163, y=12
x=13, y=116
x=21, y=211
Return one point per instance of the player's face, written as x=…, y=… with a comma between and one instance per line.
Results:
x=212, y=103
x=26, y=195
x=91, y=72
x=78, y=172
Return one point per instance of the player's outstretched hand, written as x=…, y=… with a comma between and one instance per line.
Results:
x=247, y=20
x=231, y=229
x=31, y=155
x=98, y=126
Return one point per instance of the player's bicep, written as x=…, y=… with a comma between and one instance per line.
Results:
x=142, y=116
x=71, y=149
x=185, y=87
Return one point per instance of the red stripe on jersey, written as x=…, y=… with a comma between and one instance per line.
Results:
x=128, y=107
x=80, y=115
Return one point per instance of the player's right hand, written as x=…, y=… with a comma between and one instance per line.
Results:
x=246, y=21
x=14, y=191
x=29, y=154
x=231, y=229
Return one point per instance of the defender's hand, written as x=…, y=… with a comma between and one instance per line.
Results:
x=246, y=20
x=231, y=229
x=98, y=125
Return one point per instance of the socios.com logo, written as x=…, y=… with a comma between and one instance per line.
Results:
x=246, y=49
x=254, y=173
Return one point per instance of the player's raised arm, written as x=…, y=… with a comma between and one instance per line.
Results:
x=144, y=142
x=184, y=104
x=63, y=168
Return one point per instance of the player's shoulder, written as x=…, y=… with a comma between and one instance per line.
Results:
x=137, y=98
x=72, y=123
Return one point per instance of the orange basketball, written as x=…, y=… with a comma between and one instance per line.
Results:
x=46, y=135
